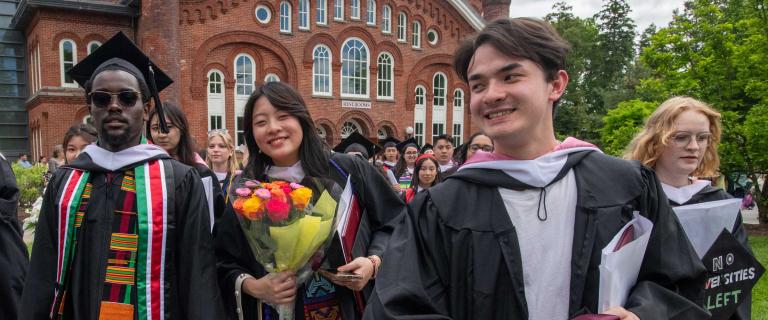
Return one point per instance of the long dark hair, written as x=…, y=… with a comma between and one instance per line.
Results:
x=185, y=151
x=417, y=169
x=401, y=167
x=461, y=156
x=87, y=131
x=313, y=153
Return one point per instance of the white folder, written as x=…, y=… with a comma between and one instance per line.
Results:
x=703, y=222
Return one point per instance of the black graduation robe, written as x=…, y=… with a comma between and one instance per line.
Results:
x=217, y=193
x=458, y=257
x=190, y=270
x=709, y=193
x=13, y=251
x=380, y=207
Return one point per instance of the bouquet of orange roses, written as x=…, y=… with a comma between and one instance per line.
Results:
x=286, y=224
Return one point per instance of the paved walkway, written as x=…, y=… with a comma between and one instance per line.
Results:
x=750, y=216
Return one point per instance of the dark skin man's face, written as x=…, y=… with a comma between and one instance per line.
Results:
x=119, y=126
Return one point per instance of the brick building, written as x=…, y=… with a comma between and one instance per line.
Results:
x=381, y=67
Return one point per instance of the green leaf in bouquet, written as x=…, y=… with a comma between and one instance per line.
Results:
x=325, y=206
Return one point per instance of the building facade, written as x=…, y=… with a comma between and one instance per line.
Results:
x=380, y=67
x=13, y=85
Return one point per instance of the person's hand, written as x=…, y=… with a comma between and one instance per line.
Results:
x=622, y=313
x=274, y=288
x=361, y=266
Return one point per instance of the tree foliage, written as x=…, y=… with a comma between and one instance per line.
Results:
x=623, y=123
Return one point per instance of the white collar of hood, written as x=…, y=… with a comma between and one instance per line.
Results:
x=683, y=194
x=294, y=173
x=538, y=172
x=116, y=160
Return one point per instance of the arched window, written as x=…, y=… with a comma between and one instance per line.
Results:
x=68, y=57
x=354, y=7
x=371, y=12
x=349, y=127
x=321, y=71
x=216, y=108
x=245, y=68
x=384, y=76
x=304, y=14
x=322, y=8
x=93, y=45
x=271, y=78
x=386, y=19
x=402, y=25
x=285, y=17
x=438, y=105
x=338, y=10
x=354, y=68
x=419, y=114
x=416, y=40
x=458, y=116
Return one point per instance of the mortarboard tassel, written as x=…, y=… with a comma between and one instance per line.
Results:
x=158, y=104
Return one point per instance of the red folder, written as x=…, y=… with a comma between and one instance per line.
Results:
x=626, y=238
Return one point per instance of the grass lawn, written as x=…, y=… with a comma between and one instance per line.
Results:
x=760, y=292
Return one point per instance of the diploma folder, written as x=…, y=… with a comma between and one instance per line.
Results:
x=621, y=261
x=703, y=222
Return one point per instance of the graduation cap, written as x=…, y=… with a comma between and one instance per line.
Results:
x=359, y=143
x=389, y=142
x=407, y=143
x=425, y=148
x=120, y=53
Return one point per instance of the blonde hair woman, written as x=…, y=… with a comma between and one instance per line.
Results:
x=679, y=141
x=220, y=157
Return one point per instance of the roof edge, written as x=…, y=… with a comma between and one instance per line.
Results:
x=473, y=18
x=26, y=8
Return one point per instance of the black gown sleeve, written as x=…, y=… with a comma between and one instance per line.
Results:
x=13, y=251
x=37, y=297
x=197, y=288
x=670, y=284
x=412, y=281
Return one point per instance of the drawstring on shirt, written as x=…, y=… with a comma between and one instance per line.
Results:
x=542, y=195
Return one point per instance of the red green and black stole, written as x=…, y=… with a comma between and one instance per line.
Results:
x=153, y=182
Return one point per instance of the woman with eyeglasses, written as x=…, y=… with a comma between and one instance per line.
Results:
x=404, y=168
x=283, y=144
x=179, y=144
x=679, y=141
x=477, y=142
x=220, y=157
x=426, y=174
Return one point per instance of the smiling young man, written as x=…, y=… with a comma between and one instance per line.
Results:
x=124, y=230
x=518, y=233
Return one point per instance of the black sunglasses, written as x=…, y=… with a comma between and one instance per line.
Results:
x=102, y=99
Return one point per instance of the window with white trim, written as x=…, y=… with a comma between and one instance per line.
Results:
x=437, y=130
x=384, y=76
x=216, y=106
x=386, y=19
x=304, y=14
x=439, y=83
x=419, y=114
x=338, y=10
x=245, y=69
x=402, y=26
x=68, y=57
x=416, y=36
x=321, y=17
x=214, y=82
x=458, y=116
x=271, y=78
x=349, y=127
x=354, y=8
x=354, y=68
x=371, y=12
x=321, y=71
x=285, y=17
x=92, y=46
x=263, y=14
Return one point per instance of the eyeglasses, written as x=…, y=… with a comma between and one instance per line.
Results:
x=102, y=99
x=683, y=139
x=486, y=148
x=412, y=154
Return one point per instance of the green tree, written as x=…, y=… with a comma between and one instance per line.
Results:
x=622, y=123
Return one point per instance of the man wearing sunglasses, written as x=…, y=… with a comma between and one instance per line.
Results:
x=124, y=231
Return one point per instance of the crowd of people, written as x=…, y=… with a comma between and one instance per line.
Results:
x=138, y=224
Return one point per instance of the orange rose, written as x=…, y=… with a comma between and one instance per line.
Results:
x=301, y=197
x=252, y=208
x=279, y=194
x=238, y=205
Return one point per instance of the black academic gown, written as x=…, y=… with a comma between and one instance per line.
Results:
x=218, y=193
x=458, y=257
x=13, y=251
x=380, y=206
x=190, y=270
x=709, y=193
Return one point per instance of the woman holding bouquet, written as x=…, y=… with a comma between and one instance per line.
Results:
x=283, y=144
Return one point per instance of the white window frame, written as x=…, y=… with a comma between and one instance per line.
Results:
x=328, y=76
x=287, y=27
x=420, y=113
x=304, y=7
x=366, y=68
x=380, y=80
x=62, y=63
x=90, y=44
x=338, y=10
x=370, y=12
x=275, y=78
x=416, y=34
x=386, y=19
x=241, y=99
x=458, y=116
x=321, y=15
x=354, y=9
x=439, y=102
x=353, y=123
x=402, y=27
x=214, y=97
x=219, y=83
x=269, y=14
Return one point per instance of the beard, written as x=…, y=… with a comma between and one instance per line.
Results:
x=116, y=140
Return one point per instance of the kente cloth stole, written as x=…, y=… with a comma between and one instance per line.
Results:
x=153, y=182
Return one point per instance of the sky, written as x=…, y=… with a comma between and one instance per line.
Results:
x=644, y=12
